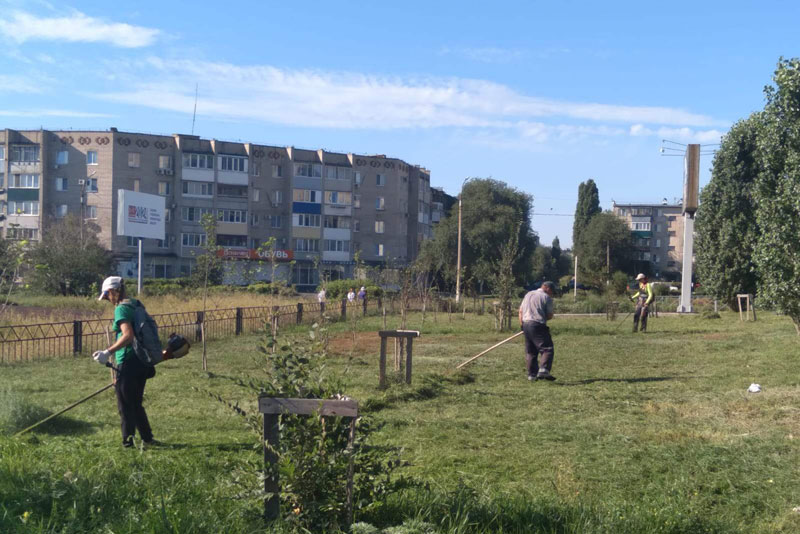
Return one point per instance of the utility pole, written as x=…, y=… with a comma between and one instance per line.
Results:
x=691, y=189
x=458, y=261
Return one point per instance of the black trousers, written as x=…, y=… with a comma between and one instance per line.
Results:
x=539, y=349
x=131, y=379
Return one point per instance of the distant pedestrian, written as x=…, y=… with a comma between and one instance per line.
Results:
x=362, y=293
x=642, y=298
x=534, y=312
x=321, y=296
x=130, y=373
x=351, y=296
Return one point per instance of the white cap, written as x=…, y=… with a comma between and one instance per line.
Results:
x=640, y=276
x=112, y=282
x=363, y=288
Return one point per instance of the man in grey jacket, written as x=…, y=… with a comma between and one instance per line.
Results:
x=534, y=312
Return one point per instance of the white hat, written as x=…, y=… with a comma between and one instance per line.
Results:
x=640, y=276
x=363, y=288
x=112, y=282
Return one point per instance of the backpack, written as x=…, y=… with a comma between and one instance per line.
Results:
x=146, y=344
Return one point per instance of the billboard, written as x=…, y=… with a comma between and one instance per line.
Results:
x=140, y=214
x=253, y=254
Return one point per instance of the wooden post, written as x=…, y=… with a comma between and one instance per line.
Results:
x=384, y=318
x=382, y=362
x=272, y=486
x=364, y=306
x=410, y=342
x=198, y=330
x=321, y=309
x=344, y=308
x=351, y=439
x=299, y=313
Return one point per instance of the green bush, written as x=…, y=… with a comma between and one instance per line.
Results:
x=338, y=289
x=271, y=288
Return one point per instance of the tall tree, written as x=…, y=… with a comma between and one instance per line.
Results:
x=606, y=236
x=491, y=212
x=727, y=230
x=555, y=249
x=777, y=249
x=69, y=259
x=587, y=207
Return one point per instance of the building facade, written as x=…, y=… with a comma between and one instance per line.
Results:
x=323, y=209
x=658, y=236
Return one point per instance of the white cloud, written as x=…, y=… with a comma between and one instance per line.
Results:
x=53, y=113
x=683, y=134
x=313, y=98
x=74, y=27
x=18, y=84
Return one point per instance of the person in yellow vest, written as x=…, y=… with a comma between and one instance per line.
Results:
x=642, y=298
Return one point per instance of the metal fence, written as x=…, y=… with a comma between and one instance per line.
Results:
x=68, y=338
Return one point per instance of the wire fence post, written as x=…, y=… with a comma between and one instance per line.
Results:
x=344, y=308
x=77, y=337
x=198, y=330
x=238, y=328
x=299, y=313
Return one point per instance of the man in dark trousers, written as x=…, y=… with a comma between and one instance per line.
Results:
x=534, y=312
x=131, y=374
x=642, y=298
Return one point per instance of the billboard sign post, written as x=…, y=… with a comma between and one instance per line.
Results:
x=140, y=215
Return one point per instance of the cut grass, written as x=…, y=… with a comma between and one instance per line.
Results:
x=639, y=434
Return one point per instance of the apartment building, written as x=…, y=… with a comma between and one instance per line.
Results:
x=320, y=207
x=658, y=236
x=441, y=203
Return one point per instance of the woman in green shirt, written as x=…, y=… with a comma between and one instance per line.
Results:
x=131, y=374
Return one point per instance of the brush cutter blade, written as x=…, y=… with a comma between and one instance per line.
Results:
x=177, y=347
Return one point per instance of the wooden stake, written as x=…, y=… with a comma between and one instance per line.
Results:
x=489, y=349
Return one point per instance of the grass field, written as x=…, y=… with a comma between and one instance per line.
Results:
x=639, y=434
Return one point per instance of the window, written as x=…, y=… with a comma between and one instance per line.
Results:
x=25, y=154
x=658, y=243
x=670, y=248
x=338, y=197
x=24, y=181
x=62, y=157
x=256, y=195
x=2, y=152
x=233, y=163
x=337, y=173
x=163, y=243
x=379, y=249
x=61, y=210
x=356, y=225
x=356, y=201
x=165, y=163
x=308, y=170
x=334, y=221
x=660, y=212
x=306, y=245
x=239, y=241
x=278, y=196
x=131, y=241
x=670, y=264
x=379, y=204
x=655, y=258
x=232, y=216
x=671, y=218
x=256, y=169
x=671, y=233
x=378, y=227
x=357, y=178
x=380, y=180
x=305, y=275
x=198, y=161
x=307, y=195
x=193, y=214
x=167, y=214
x=640, y=226
x=655, y=227
x=277, y=172
x=26, y=207
x=61, y=184
x=91, y=212
x=275, y=221
x=91, y=185
x=2, y=180
x=305, y=219
x=254, y=220
x=335, y=245
x=200, y=189
x=18, y=234
x=134, y=159
x=136, y=182
x=193, y=240
x=161, y=270
x=164, y=188
x=91, y=157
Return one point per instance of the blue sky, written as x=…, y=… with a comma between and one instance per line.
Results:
x=541, y=95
